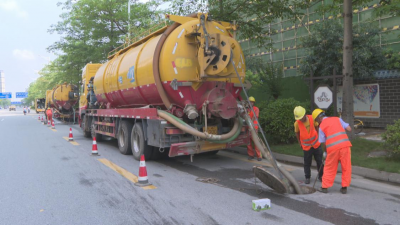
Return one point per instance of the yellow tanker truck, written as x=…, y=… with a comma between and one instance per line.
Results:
x=62, y=99
x=175, y=91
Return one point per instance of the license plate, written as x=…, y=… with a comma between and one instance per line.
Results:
x=211, y=130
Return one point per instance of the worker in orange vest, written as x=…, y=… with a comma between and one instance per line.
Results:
x=49, y=114
x=250, y=148
x=332, y=132
x=307, y=136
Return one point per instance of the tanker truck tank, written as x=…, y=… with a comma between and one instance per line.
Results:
x=62, y=99
x=173, y=69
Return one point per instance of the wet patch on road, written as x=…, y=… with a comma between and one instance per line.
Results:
x=86, y=182
x=271, y=217
x=392, y=200
x=396, y=196
x=157, y=175
x=228, y=178
x=65, y=158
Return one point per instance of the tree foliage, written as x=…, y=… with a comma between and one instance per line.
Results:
x=325, y=50
x=266, y=76
x=252, y=17
x=89, y=30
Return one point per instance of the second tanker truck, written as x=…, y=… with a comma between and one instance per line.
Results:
x=174, y=91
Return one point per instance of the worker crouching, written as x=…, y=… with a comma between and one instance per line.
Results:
x=250, y=148
x=307, y=136
x=332, y=132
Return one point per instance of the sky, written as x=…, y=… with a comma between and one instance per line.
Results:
x=24, y=39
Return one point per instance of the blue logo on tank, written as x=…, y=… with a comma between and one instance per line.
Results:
x=131, y=74
x=120, y=79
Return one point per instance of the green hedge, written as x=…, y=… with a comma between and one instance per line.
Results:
x=277, y=119
x=392, y=137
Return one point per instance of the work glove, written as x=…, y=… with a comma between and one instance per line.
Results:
x=324, y=155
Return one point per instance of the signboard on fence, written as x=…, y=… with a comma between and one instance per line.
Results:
x=366, y=100
x=5, y=94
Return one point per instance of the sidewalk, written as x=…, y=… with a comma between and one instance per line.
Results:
x=361, y=171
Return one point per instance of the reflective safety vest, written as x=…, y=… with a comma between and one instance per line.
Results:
x=307, y=139
x=336, y=137
x=252, y=117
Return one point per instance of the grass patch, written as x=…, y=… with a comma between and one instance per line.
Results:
x=359, y=155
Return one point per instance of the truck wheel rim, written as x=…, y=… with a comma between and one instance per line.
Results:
x=121, y=138
x=135, y=142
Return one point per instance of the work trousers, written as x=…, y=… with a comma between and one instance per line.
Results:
x=308, y=155
x=342, y=155
x=250, y=150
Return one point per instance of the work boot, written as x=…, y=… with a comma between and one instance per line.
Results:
x=250, y=157
x=320, y=179
x=307, y=181
x=323, y=190
x=259, y=159
x=343, y=190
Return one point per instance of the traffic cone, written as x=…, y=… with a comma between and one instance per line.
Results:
x=42, y=118
x=38, y=118
x=48, y=123
x=52, y=125
x=94, y=147
x=142, y=180
x=71, y=137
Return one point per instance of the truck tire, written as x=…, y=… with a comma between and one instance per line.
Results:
x=99, y=137
x=139, y=145
x=83, y=124
x=124, y=135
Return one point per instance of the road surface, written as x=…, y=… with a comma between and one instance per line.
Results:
x=48, y=180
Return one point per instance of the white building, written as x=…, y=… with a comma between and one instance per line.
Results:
x=2, y=81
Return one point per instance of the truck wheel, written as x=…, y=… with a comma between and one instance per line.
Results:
x=83, y=124
x=124, y=135
x=139, y=145
x=99, y=137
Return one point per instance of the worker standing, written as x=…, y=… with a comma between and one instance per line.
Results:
x=332, y=132
x=307, y=136
x=250, y=149
x=49, y=114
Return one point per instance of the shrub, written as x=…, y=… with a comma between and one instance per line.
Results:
x=392, y=138
x=277, y=119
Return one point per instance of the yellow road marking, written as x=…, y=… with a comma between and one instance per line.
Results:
x=72, y=142
x=41, y=210
x=240, y=157
x=53, y=129
x=128, y=175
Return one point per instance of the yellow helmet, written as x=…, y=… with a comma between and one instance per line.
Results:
x=252, y=99
x=299, y=112
x=316, y=113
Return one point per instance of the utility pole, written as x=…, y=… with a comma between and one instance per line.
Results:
x=347, y=101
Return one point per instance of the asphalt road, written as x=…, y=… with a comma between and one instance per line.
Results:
x=48, y=180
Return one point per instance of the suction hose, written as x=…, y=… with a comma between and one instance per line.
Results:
x=210, y=137
x=257, y=141
x=276, y=164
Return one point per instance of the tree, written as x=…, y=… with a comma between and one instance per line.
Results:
x=90, y=29
x=5, y=102
x=388, y=7
x=324, y=50
x=267, y=77
x=252, y=17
